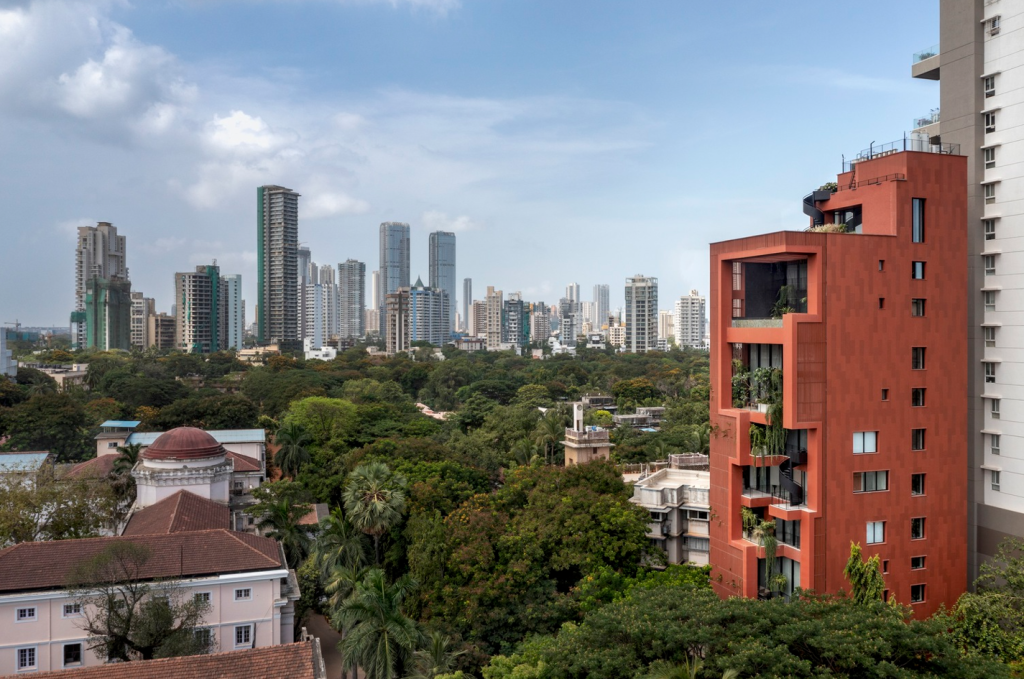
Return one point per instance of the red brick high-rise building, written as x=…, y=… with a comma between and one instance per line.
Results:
x=859, y=336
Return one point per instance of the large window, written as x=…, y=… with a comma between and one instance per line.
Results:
x=25, y=614
x=72, y=655
x=917, y=358
x=917, y=439
x=243, y=594
x=876, y=532
x=27, y=658
x=916, y=563
x=916, y=594
x=917, y=307
x=918, y=225
x=243, y=635
x=788, y=532
x=865, y=442
x=917, y=528
x=72, y=610
x=870, y=482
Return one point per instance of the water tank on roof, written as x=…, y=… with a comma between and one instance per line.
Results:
x=918, y=141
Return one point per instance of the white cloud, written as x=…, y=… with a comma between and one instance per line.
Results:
x=243, y=134
x=329, y=204
x=439, y=221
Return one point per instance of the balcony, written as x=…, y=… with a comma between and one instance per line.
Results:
x=915, y=142
x=593, y=436
x=931, y=119
x=926, y=63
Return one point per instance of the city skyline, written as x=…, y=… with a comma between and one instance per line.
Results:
x=498, y=160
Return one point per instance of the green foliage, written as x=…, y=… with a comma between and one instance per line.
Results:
x=379, y=637
x=375, y=500
x=323, y=418
x=866, y=581
x=54, y=422
x=279, y=507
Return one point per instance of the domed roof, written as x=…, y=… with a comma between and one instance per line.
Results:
x=184, y=443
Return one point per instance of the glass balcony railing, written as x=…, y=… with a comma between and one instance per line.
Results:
x=927, y=120
x=926, y=53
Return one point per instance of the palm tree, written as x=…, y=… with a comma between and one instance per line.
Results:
x=662, y=449
x=550, y=430
x=374, y=500
x=523, y=452
x=43, y=388
x=339, y=544
x=380, y=637
x=280, y=521
x=701, y=439
x=688, y=670
x=293, y=454
x=434, y=659
x=128, y=456
x=340, y=585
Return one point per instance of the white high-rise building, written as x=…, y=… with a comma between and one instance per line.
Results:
x=329, y=295
x=231, y=288
x=540, y=323
x=373, y=308
x=641, y=314
x=572, y=292
x=690, y=322
x=601, y=306
x=666, y=324
x=142, y=308
x=495, y=305
x=101, y=255
x=351, y=298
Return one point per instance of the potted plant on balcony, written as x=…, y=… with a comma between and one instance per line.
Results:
x=781, y=305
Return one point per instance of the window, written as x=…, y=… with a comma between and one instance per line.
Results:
x=995, y=479
x=876, y=532
x=917, y=307
x=917, y=397
x=989, y=262
x=990, y=157
x=72, y=655
x=885, y=565
x=917, y=484
x=881, y=265
x=112, y=444
x=918, y=230
x=870, y=482
x=990, y=300
x=72, y=610
x=990, y=228
x=917, y=439
x=737, y=308
x=916, y=563
x=737, y=276
x=204, y=636
x=865, y=442
x=885, y=394
x=243, y=635
x=993, y=440
x=243, y=594
x=26, y=614
x=917, y=270
x=990, y=373
x=917, y=358
x=204, y=597
x=990, y=194
x=993, y=409
x=990, y=122
x=916, y=594
x=993, y=25
x=990, y=336
x=917, y=528
x=881, y=302
x=989, y=83
x=27, y=658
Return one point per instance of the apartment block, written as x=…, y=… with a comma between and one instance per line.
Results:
x=201, y=325
x=394, y=261
x=101, y=254
x=352, y=298
x=601, y=305
x=977, y=64
x=540, y=322
x=397, y=321
x=277, y=262
x=690, y=320
x=517, y=321
x=839, y=385
x=493, y=309
x=142, y=308
x=429, y=314
x=678, y=501
x=641, y=314
x=442, y=268
x=162, y=329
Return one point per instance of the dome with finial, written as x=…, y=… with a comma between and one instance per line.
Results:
x=184, y=443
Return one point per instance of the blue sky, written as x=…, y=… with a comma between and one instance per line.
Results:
x=563, y=141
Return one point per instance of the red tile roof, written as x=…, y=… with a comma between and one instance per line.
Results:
x=317, y=513
x=287, y=661
x=243, y=463
x=183, y=443
x=97, y=468
x=179, y=513
x=32, y=566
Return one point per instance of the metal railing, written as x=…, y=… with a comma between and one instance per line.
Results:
x=927, y=53
x=929, y=119
x=912, y=143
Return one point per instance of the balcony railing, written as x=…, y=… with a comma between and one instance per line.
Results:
x=927, y=53
x=757, y=322
x=912, y=143
x=588, y=436
x=930, y=119
x=671, y=497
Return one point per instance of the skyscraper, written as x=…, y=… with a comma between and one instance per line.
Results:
x=201, y=323
x=601, y=306
x=332, y=318
x=234, y=311
x=373, y=306
x=142, y=308
x=540, y=322
x=428, y=314
x=101, y=275
x=394, y=260
x=641, y=314
x=442, y=267
x=517, y=321
x=572, y=293
x=690, y=324
x=494, y=324
x=277, y=244
x=305, y=260
x=352, y=298
x=467, y=303
x=396, y=321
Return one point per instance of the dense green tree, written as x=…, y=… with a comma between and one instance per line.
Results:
x=226, y=411
x=292, y=453
x=54, y=422
x=339, y=543
x=279, y=509
x=375, y=501
x=436, y=659
x=866, y=581
x=323, y=418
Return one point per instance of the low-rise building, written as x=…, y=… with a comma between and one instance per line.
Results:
x=245, y=577
x=654, y=413
x=27, y=466
x=585, y=444
x=680, y=508
x=471, y=344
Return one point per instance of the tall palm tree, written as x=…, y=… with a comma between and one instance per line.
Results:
x=435, y=658
x=374, y=500
x=523, y=452
x=340, y=585
x=339, y=544
x=42, y=388
x=380, y=637
x=280, y=521
x=128, y=456
x=292, y=454
x=549, y=433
